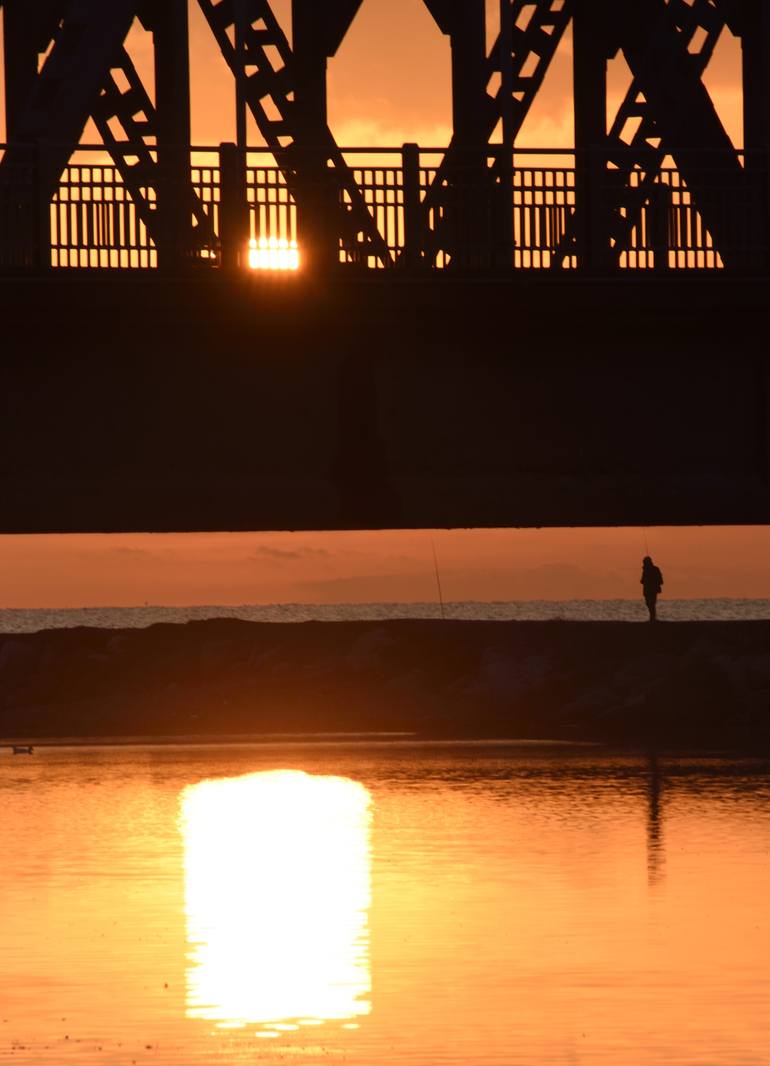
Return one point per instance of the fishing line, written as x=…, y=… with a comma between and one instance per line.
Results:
x=438, y=579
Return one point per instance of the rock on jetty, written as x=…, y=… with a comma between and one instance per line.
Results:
x=701, y=685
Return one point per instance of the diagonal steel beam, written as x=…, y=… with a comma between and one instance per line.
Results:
x=518, y=62
x=123, y=113
x=659, y=42
x=637, y=142
x=127, y=121
x=269, y=84
x=523, y=53
x=60, y=102
x=28, y=29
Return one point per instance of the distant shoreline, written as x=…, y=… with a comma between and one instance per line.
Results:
x=693, y=685
x=38, y=619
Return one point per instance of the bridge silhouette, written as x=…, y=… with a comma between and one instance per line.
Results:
x=479, y=334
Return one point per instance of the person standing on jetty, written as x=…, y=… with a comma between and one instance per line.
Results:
x=652, y=583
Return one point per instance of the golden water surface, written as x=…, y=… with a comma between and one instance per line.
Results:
x=380, y=904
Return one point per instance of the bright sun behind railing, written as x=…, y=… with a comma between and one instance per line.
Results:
x=273, y=253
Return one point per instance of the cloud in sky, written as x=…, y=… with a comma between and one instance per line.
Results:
x=265, y=551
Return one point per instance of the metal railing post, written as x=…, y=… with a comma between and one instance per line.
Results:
x=317, y=211
x=659, y=208
x=505, y=238
x=591, y=196
x=41, y=224
x=504, y=252
x=413, y=225
x=764, y=256
x=757, y=167
x=174, y=209
x=233, y=209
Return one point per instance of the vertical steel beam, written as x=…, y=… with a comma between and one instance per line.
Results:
x=504, y=52
x=317, y=31
x=530, y=33
x=755, y=38
x=20, y=57
x=69, y=82
x=318, y=239
x=241, y=16
x=310, y=60
x=687, y=120
x=468, y=39
x=470, y=197
x=27, y=31
x=464, y=22
x=172, y=104
x=270, y=96
x=636, y=147
x=755, y=34
x=590, y=106
x=172, y=72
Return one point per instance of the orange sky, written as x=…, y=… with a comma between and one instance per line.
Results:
x=395, y=566
x=390, y=81
x=388, y=84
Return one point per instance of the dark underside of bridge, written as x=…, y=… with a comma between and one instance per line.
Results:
x=484, y=335
x=133, y=402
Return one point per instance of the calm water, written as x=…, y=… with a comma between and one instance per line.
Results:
x=30, y=620
x=382, y=904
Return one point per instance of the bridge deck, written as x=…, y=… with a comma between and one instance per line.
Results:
x=134, y=401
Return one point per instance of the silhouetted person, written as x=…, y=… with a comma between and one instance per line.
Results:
x=651, y=582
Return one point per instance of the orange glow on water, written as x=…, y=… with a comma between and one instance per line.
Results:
x=524, y=908
x=277, y=897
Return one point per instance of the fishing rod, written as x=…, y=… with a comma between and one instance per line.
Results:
x=438, y=579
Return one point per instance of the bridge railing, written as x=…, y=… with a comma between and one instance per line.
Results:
x=536, y=210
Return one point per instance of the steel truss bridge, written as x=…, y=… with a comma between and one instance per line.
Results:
x=479, y=334
x=657, y=185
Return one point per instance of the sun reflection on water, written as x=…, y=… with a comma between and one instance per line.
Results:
x=277, y=896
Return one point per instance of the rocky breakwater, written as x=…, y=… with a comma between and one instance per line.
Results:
x=672, y=684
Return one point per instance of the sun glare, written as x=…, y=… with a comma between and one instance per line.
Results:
x=277, y=897
x=273, y=253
